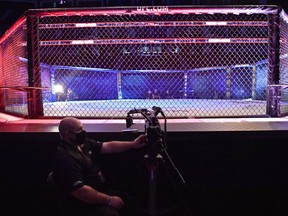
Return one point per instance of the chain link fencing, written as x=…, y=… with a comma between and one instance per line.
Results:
x=14, y=70
x=190, y=61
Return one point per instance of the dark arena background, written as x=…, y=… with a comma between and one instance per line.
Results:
x=217, y=74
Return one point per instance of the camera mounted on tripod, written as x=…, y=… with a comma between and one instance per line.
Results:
x=156, y=142
x=156, y=137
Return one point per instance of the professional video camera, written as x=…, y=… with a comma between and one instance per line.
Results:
x=156, y=137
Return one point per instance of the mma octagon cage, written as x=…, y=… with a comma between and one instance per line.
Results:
x=192, y=61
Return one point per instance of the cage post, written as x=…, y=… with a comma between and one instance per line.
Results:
x=273, y=94
x=52, y=80
x=228, y=83
x=2, y=105
x=185, y=85
x=34, y=100
x=254, y=82
x=119, y=84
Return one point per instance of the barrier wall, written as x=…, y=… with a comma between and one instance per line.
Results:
x=226, y=173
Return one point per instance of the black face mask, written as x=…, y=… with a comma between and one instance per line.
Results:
x=80, y=137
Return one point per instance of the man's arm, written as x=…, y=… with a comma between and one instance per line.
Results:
x=120, y=146
x=89, y=195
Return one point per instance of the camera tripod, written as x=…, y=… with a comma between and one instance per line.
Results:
x=156, y=144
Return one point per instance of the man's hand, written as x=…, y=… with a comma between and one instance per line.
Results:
x=116, y=202
x=140, y=141
x=120, y=146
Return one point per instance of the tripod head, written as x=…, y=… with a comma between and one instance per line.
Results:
x=156, y=137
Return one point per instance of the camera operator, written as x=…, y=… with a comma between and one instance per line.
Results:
x=77, y=175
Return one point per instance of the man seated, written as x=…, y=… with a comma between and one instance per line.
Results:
x=77, y=175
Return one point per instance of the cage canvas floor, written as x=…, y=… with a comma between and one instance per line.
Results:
x=180, y=108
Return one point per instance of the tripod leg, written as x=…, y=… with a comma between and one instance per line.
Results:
x=152, y=192
x=182, y=199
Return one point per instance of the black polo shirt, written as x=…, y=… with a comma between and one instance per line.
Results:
x=72, y=168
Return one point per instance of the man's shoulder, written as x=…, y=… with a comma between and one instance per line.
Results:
x=65, y=153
